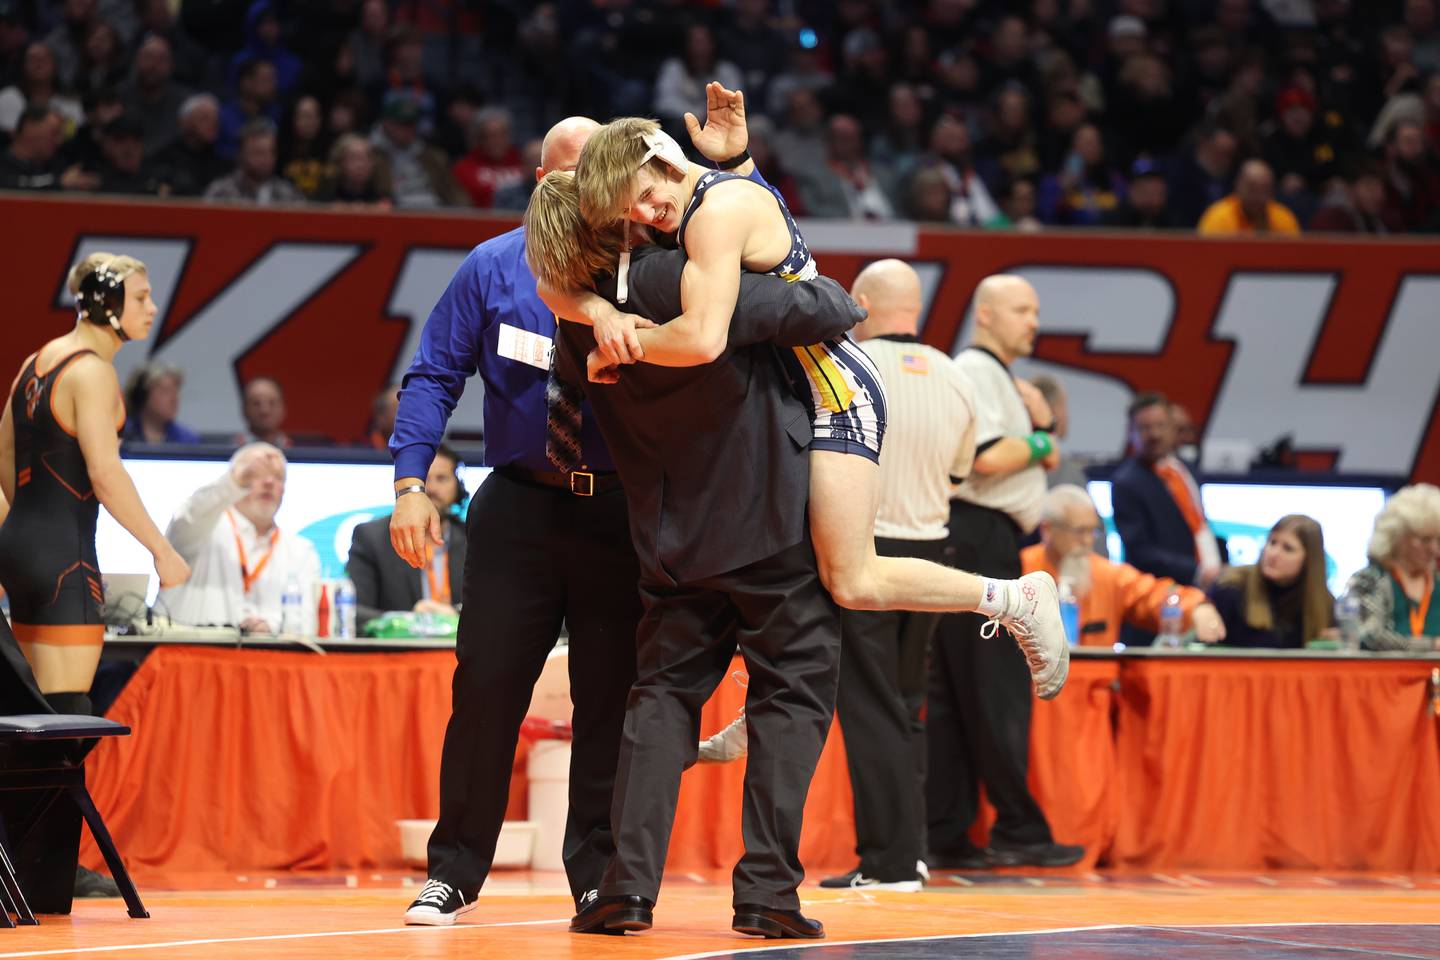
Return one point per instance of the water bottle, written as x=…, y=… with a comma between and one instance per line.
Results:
x=344, y=610
x=1069, y=612
x=292, y=608
x=1172, y=619
x=1347, y=619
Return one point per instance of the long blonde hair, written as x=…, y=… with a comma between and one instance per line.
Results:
x=1317, y=603
x=564, y=252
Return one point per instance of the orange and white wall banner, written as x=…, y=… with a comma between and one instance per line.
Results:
x=1329, y=340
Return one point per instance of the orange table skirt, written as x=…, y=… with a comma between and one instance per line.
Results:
x=251, y=760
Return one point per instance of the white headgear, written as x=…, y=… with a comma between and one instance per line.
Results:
x=659, y=146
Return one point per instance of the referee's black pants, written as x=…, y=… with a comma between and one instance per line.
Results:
x=537, y=556
x=784, y=623
x=882, y=691
x=978, y=718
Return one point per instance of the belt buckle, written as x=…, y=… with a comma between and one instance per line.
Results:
x=582, y=483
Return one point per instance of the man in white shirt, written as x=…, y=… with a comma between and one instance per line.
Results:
x=978, y=715
x=929, y=447
x=240, y=560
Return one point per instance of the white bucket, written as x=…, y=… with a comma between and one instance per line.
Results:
x=549, y=773
x=515, y=847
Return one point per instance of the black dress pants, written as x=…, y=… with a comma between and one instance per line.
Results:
x=978, y=718
x=785, y=626
x=536, y=556
x=882, y=691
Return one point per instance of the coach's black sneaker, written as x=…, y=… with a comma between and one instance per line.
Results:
x=438, y=905
x=1036, y=855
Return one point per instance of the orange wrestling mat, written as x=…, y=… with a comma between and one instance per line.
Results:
x=523, y=915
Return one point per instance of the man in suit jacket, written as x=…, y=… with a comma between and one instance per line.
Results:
x=1157, y=505
x=715, y=467
x=383, y=581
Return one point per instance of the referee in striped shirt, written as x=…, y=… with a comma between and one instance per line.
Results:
x=929, y=446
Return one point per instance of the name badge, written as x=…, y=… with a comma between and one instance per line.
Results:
x=524, y=346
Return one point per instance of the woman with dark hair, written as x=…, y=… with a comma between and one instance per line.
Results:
x=152, y=398
x=1282, y=601
x=103, y=62
x=304, y=146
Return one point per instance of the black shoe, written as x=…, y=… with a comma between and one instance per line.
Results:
x=438, y=905
x=614, y=915
x=88, y=883
x=1036, y=855
x=775, y=924
x=857, y=880
x=966, y=858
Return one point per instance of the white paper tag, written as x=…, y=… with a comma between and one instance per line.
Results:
x=524, y=346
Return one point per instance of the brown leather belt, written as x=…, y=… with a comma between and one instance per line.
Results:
x=581, y=483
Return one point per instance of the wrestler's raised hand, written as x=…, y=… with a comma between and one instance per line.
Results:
x=724, y=134
x=616, y=339
x=600, y=370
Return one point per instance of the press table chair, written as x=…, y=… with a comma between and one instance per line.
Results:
x=61, y=777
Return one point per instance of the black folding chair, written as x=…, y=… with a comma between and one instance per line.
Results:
x=58, y=776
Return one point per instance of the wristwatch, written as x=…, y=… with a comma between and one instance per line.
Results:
x=413, y=488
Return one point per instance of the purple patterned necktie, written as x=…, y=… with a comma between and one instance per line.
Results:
x=562, y=421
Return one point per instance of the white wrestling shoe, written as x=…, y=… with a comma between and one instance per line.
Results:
x=1032, y=615
x=729, y=744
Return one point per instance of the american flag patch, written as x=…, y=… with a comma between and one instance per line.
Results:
x=914, y=363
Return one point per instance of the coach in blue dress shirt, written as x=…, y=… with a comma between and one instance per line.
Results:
x=548, y=541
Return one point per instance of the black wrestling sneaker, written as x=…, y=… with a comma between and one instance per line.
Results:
x=859, y=881
x=438, y=905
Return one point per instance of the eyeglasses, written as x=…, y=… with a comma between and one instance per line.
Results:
x=1088, y=530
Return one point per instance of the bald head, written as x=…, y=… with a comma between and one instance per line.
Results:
x=561, y=147
x=1255, y=187
x=1007, y=316
x=889, y=290
x=1000, y=286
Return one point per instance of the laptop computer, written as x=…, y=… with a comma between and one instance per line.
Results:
x=125, y=595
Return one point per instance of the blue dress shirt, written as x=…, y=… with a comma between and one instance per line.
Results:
x=493, y=286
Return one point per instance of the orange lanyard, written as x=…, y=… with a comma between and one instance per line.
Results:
x=439, y=579
x=246, y=574
x=1418, y=612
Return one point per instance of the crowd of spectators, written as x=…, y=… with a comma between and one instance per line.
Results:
x=1229, y=115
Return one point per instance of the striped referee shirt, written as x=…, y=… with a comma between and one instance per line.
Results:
x=1000, y=413
x=929, y=437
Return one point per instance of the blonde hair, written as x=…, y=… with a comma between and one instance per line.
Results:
x=1316, y=603
x=609, y=164
x=564, y=252
x=1408, y=510
x=344, y=142
x=117, y=263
